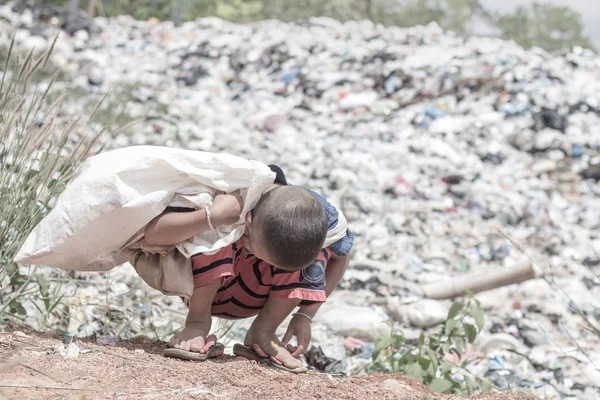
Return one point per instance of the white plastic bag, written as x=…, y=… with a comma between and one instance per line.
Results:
x=119, y=192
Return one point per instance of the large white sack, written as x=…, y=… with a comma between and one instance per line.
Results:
x=118, y=192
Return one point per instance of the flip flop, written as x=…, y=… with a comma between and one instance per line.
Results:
x=215, y=351
x=244, y=351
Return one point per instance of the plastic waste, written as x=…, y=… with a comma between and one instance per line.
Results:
x=373, y=118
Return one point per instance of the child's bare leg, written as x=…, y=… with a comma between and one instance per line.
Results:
x=261, y=335
x=194, y=337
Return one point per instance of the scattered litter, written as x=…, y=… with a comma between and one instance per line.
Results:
x=427, y=141
x=317, y=359
x=68, y=348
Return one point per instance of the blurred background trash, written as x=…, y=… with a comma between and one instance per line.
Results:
x=428, y=141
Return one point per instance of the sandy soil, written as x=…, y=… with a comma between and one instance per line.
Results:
x=31, y=367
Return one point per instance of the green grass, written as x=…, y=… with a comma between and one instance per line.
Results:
x=38, y=157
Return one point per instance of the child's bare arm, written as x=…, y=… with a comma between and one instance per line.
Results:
x=299, y=325
x=175, y=227
x=262, y=331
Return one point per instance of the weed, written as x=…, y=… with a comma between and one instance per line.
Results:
x=37, y=160
x=431, y=361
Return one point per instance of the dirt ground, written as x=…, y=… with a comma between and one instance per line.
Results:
x=31, y=367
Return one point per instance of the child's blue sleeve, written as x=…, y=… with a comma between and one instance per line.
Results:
x=343, y=246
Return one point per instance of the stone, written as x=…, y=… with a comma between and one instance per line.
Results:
x=96, y=76
x=394, y=386
x=423, y=313
x=361, y=322
x=533, y=337
x=107, y=340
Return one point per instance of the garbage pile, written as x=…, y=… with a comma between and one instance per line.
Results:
x=447, y=155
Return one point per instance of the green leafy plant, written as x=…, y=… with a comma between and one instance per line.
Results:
x=431, y=360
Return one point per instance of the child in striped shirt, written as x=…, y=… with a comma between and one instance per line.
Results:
x=279, y=264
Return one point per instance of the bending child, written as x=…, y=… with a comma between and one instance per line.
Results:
x=279, y=264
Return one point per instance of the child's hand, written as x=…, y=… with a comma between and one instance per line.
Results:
x=301, y=328
x=226, y=209
x=193, y=337
x=269, y=344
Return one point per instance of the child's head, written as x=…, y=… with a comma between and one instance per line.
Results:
x=287, y=228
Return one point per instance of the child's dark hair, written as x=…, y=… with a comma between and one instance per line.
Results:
x=293, y=226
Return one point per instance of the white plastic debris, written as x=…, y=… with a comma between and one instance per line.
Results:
x=448, y=156
x=360, y=322
x=70, y=350
x=427, y=313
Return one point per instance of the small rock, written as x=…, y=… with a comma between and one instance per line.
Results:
x=96, y=76
x=106, y=340
x=427, y=313
x=139, y=351
x=360, y=322
x=393, y=385
x=20, y=334
x=533, y=338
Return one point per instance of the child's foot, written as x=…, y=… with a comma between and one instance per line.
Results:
x=194, y=338
x=267, y=345
x=215, y=351
x=282, y=358
x=195, y=349
x=256, y=353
